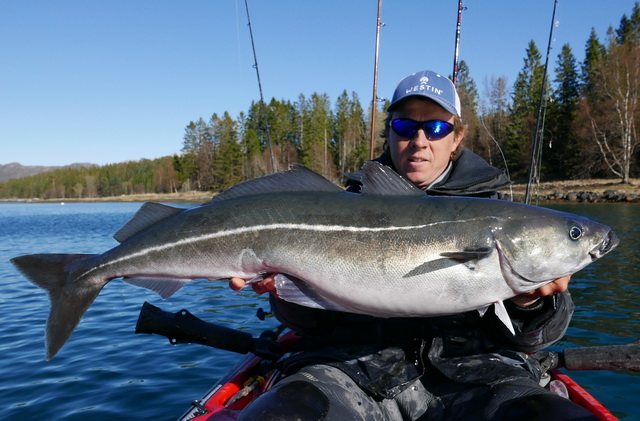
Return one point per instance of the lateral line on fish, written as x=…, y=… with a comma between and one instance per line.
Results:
x=242, y=230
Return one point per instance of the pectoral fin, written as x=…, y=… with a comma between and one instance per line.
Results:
x=299, y=292
x=428, y=267
x=467, y=255
x=502, y=314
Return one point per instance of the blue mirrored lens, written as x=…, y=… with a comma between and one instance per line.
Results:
x=433, y=129
x=405, y=127
x=436, y=129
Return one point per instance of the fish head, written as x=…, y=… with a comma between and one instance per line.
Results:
x=544, y=245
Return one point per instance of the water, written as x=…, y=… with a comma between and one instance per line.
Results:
x=607, y=298
x=106, y=371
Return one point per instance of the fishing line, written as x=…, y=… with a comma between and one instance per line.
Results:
x=545, y=101
x=504, y=159
x=274, y=165
x=461, y=8
x=238, y=39
x=536, y=148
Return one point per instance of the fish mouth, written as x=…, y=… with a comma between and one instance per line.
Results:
x=609, y=242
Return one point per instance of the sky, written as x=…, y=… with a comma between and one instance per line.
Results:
x=111, y=81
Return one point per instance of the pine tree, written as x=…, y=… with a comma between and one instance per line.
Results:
x=252, y=164
x=257, y=127
x=594, y=53
x=189, y=160
x=349, y=133
x=562, y=152
x=226, y=165
x=280, y=117
x=629, y=28
x=468, y=93
x=316, y=135
x=204, y=154
x=523, y=112
x=340, y=124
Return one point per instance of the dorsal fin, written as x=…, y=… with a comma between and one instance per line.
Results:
x=381, y=180
x=298, y=178
x=149, y=214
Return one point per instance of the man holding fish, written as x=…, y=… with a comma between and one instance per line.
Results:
x=471, y=365
x=413, y=299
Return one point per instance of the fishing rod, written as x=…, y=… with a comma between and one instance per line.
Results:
x=374, y=103
x=263, y=114
x=183, y=327
x=536, y=150
x=456, y=49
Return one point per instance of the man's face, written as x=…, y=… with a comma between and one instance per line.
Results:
x=419, y=159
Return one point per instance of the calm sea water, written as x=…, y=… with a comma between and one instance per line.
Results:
x=106, y=371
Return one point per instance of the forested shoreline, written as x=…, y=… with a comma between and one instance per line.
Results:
x=591, y=116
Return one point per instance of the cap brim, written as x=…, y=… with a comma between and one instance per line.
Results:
x=447, y=107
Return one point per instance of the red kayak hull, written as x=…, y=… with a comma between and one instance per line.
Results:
x=225, y=401
x=583, y=398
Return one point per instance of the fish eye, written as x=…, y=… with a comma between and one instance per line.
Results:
x=575, y=232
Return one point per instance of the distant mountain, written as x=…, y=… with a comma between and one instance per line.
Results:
x=15, y=170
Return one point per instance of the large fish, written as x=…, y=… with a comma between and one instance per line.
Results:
x=390, y=251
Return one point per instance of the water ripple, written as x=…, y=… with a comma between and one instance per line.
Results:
x=107, y=372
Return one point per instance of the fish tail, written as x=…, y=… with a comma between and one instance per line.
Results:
x=69, y=298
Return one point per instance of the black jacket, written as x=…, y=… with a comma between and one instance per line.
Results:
x=459, y=335
x=470, y=175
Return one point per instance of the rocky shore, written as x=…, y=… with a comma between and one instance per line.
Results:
x=609, y=196
x=579, y=191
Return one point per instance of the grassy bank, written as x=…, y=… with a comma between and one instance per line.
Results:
x=189, y=197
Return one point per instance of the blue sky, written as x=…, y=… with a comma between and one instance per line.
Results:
x=117, y=80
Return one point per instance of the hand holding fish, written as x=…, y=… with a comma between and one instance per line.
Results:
x=555, y=287
x=267, y=284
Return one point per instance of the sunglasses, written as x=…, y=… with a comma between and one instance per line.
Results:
x=433, y=129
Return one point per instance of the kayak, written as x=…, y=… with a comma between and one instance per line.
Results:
x=242, y=384
x=253, y=375
x=256, y=373
x=583, y=398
